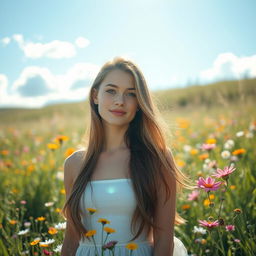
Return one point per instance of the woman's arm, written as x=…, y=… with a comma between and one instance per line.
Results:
x=71, y=240
x=165, y=216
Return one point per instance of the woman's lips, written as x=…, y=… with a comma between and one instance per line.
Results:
x=118, y=113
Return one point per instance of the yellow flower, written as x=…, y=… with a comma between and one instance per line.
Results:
x=232, y=187
x=237, y=211
x=103, y=221
x=212, y=196
x=61, y=138
x=52, y=231
x=239, y=151
x=62, y=191
x=36, y=241
x=185, y=207
x=206, y=202
x=211, y=141
x=109, y=230
x=40, y=218
x=203, y=241
x=203, y=156
x=91, y=233
x=44, y=245
x=69, y=151
x=31, y=168
x=132, y=246
x=4, y=152
x=13, y=222
x=52, y=146
x=58, y=210
x=193, y=151
x=181, y=163
x=91, y=210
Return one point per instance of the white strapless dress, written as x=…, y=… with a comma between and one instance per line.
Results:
x=115, y=201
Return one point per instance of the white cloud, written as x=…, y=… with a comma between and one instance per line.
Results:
x=55, y=49
x=229, y=66
x=82, y=42
x=37, y=86
x=6, y=40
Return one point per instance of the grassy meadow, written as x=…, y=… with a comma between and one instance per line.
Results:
x=213, y=127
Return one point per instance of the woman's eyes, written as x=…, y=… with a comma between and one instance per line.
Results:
x=111, y=90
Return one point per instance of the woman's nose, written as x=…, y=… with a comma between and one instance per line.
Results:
x=119, y=99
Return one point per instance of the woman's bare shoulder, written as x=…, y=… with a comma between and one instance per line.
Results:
x=73, y=163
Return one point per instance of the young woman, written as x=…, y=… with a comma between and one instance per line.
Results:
x=132, y=174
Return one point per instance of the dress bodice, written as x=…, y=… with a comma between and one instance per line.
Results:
x=115, y=201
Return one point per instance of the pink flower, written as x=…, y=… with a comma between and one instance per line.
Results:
x=208, y=224
x=110, y=245
x=208, y=146
x=224, y=173
x=230, y=227
x=193, y=195
x=208, y=184
x=45, y=252
x=237, y=240
x=23, y=202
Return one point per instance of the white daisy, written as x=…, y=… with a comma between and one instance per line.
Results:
x=58, y=248
x=199, y=230
x=23, y=232
x=49, y=241
x=225, y=154
x=61, y=226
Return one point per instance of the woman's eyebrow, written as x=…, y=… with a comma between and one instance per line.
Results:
x=113, y=85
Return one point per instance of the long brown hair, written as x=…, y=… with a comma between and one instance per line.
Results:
x=150, y=158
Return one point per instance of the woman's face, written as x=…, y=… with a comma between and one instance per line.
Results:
x=117, y=92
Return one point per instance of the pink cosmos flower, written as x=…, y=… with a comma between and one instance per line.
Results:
x=230, y=227
x=224, y=173
x=237, y=240
x=208, y=184
x=208, y=224
x=193, y=195
x=208, y=146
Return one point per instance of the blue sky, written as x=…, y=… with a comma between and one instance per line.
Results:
x=50, y=51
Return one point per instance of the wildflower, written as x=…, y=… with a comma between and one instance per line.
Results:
x=90, y=233
x=36, y=241
x=23, y=202
x=237, y=240
x=60, y=176
x=45, y=252
x=239, y=151
x=46, y=243
x=69, y=151
x=203, y=156
x=110, y=245
x=58, y=248
x=109, y=230
x=193, y=151
x=208, y=184
x=187, y=148
x=224, y=174
x=185, y=207
x=91, y=210
x=52, y=231
x=230, y=227
x=229, y=144
x=240, y=134
x=232, y=187
x=27, y=224
x=58, y=210
x=48, y=204
x=203, y=241
x=193, y=195
x=208, y=147
x=208, y=224
x=61, y=138
x=211, y=141
x=23, y=232
x=52, y=146
x=103, y=221
x=131, y=246
x=237, y=211
x=13, y=222
x=225, y=154
x=40, y=218
x=61, y=226
x=199, y=230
